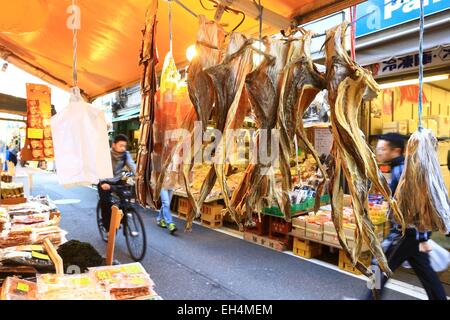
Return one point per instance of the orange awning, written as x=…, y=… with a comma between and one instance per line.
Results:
x=34, y=36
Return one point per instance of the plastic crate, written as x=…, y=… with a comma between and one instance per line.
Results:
x=261, y=228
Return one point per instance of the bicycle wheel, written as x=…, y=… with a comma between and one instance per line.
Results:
x=101, y=227
x=135, y=236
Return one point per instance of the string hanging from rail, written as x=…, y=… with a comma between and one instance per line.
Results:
x=75, y=45
x=420, y=104
x=170, y=27
x=260, y=17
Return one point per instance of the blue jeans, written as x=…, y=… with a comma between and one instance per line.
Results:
x=165, y=213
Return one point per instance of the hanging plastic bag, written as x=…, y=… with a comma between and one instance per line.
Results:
x=439, y=257
x=80, y=139
x=173, y=105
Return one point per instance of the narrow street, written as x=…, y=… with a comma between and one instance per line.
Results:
x=207, y=264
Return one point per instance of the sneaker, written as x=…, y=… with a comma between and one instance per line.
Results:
x=172, y=228
x=162, y=223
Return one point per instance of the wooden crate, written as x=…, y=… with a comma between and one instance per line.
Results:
x=306, y=249
x=212, y=212
x=184, y=206
x=211, y=224
x=261, y=228
x=346, y=264
x=182, y=215
x=212, y=215
x=266, y=242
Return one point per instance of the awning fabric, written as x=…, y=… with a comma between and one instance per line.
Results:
x=34, y=36
x=127, y=116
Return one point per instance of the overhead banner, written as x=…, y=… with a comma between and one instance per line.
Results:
x=431, y=58
x=383, y=14
x=39, y=143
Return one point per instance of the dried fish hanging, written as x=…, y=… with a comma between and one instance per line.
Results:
x=302, y=82
x=348, y=86
x=227, y=79
x=144, y=189
x=210, y=40
x=429, y=208
x=264, y=89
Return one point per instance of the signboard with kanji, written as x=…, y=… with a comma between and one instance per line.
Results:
x=431, y=58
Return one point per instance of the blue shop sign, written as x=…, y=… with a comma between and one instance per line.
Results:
x=389, y=13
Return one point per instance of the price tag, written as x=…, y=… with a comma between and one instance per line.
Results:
x=23, y=287
x=38, y=255
x=35, y=133
x=37, y=248
x=103, y=275
x=138, y=281
x=84, y=281
x=132, y=269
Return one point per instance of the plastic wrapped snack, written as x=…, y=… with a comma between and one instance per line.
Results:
x=49, y=152
x=48, y=133
x=17, y=289
x=69, y=287
x=124, y=282
x=37, y=154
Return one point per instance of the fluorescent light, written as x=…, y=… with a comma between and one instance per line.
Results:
x=413, y=81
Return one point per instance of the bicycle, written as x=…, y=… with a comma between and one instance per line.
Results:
x=123, y=196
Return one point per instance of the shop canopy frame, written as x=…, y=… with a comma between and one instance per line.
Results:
x=110, y=32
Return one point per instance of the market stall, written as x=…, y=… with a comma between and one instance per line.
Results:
x=256, y=80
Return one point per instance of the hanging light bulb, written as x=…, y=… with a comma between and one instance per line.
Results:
x=258, y=58
x=191, y=52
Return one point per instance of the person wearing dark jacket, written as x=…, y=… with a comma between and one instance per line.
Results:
x=120, y=159
x=413, y=247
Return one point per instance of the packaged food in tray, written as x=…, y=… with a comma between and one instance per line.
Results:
x=31, y=218
x=124, y=281
x=38, y=260
x=47, y=133
x=48, y=143
x=17, y=289
x=70, y=287
x=37, y=154
x=4, y=216
x=49, y=153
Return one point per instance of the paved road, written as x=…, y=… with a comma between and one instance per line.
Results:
x=206, y=264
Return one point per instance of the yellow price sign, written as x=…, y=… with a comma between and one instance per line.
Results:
x=103, y=275
x=138, y=281
x=38, y=255
x=132, y=269
x=35, y=133
x=23, y=287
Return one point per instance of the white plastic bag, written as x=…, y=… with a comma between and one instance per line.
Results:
x=80, y=139
x=439, y=257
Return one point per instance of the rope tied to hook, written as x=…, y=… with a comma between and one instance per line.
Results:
x=420, y=103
